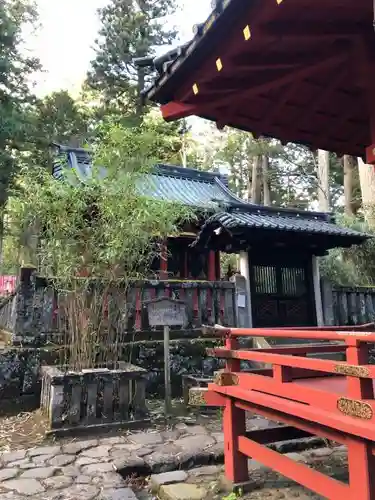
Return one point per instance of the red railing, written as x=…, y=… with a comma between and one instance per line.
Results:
x=310, y=396
x=7, y=285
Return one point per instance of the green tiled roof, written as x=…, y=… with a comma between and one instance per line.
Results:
x=298, y=222
x=191, y=187
x=241, y=222
x=209, y=191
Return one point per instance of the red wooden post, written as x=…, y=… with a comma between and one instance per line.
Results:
x=164, y=261
x=358, y=354
x=138, y=305
x=211, y=274
x=232, y=365
x=361, y=466
x=234, y=426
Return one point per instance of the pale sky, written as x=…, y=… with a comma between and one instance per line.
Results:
x=69, y=27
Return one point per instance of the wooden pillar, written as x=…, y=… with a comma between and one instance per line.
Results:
x=164, y=261
x=217, y=266
x=245, y=272
x=317, y=291
x=234, y=426
x=211, y=273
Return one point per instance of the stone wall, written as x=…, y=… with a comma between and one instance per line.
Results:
x=20, y=366
x=30, y=318
x=27, y=315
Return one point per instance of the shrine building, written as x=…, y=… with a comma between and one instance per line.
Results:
x=295, y=70
x=278, y=247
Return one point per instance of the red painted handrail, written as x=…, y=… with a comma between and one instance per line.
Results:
x=324, y=397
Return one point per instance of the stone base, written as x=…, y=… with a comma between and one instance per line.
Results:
x=237, y=488
x=96, y=398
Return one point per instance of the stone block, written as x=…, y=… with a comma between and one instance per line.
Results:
x=44, y=450
x=77, y=446
x=297, y=457
x=39, y=473
x=8, y=473
x=13, y=456
x=58, y=482
x=182, y=491
x=146, y=438
x=177, y=476
x=61, y=460
x=28, y=487
x=208, y=470
x=119, y=494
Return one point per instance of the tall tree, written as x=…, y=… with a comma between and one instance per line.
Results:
x=15, y=97
x=323, y=180
x=58, y=118
x=349, y=165
x=367, y=180
x=129, y=29
x=265, y=179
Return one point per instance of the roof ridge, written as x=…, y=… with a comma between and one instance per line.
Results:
x=247, y=207
x=188, y=173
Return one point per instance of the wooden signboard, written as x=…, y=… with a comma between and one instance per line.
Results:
x=166, y=312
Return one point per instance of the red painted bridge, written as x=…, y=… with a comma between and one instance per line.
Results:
x=310, y=396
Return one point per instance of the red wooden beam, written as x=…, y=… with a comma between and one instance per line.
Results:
x=323, y=96
x=207, y=100
x=309, y=427
x=340, y=423
x=339, y=336
x=175, y=110
x=308, y=28
x=302, y=474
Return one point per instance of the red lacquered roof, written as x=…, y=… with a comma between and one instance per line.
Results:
x=298, y=70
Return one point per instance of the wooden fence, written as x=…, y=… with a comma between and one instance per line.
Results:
x=347, y=306
x=37, y=310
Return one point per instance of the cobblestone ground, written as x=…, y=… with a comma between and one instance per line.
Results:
x=154, y=464
x=205, y=482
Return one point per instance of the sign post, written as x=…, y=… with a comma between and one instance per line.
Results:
x=166, y=312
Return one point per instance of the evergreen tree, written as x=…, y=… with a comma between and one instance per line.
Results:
x=15, y=97
x=58, y=118
x=129, y=29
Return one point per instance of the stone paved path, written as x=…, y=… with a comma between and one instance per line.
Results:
x=105, y=468
x=87, y=469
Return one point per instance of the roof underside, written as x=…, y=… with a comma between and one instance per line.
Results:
x=297, y=70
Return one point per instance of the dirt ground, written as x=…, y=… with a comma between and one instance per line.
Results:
x=22, y=426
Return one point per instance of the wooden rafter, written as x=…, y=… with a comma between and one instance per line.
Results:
x=322, y=96
x=314, y=30
x=209, y=98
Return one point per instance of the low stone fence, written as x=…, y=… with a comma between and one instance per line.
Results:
x=94, y=398
x=347, y=305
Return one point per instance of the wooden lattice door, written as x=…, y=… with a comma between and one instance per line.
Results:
x=282, y=294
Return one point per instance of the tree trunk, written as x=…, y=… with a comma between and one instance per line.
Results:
x=349, y=164
x=323, y=180
x=255, y=181
x=266, y=181
x=367, y=181
x=140, y=88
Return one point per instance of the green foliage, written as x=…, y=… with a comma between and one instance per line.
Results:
x=233, y=496
x=96, y=238
x=353, y=266
x=58, y=118
x=15, y=97
x=129, y=29
x=103, y=226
